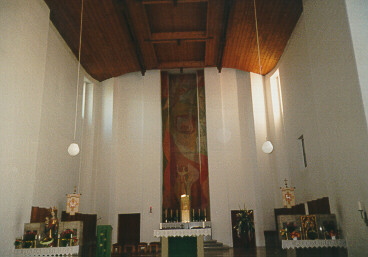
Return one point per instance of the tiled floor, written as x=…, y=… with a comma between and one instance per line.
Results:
x=262, y=252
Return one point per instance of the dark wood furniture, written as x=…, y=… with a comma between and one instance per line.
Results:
x=155, y=246
x=39, y=214
x=89, y=231
x=129, y=230
x=142, y=246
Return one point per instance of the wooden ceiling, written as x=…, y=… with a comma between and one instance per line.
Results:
x=121, y=36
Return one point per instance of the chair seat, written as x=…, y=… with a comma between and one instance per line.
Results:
x=129, y=246
x=155, y=245
x=142, y=245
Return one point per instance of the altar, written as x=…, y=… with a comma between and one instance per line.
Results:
x=182, y=242
x=51, y=251
x=292, y=245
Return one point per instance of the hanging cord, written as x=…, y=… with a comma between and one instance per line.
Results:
x=79, y=55
x=259, y=52
x=76, y=100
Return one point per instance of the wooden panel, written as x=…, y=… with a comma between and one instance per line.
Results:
x=108, y=51
x=89, y=230
x=186, y=51
x=319, y=206
x=179, y=35
x=276, y=20
x=39, y=214
x=129, y=228
x=180, y=18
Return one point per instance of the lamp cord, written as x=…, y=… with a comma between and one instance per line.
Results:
x=259, y=52
x=79, y=55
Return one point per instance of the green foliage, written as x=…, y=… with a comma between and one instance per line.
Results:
x=245, y=225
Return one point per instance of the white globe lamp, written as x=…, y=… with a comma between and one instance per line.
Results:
x=267, y=147
x=73, y=149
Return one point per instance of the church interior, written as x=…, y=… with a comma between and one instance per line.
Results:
x=184, y=128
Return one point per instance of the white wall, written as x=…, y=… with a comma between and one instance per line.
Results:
x=58, y=171
x=322, y=100
x=24, y=27
x=38, y=76
x=358, y=20
x=133, y=181
x=135, y=175
x=232, y=158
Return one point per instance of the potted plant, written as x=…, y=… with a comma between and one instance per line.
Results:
x=245, y=225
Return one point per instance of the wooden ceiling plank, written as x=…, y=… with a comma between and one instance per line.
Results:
x=147, y=2
x=178, y=35
x=185, y=64
x=175, y=41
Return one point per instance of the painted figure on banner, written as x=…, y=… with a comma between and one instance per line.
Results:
x=185, y=149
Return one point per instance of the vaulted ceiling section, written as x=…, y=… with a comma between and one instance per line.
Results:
x=121, y=36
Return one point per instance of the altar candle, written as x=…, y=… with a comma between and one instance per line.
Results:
x=199, y=212
x=160, y=225
x=306, y=209
x=171, y=213
x=359, y=206
x=205, y=212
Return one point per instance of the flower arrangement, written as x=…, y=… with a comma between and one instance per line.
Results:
x=29, y=236
x=330, y=229
x=18, y=243
x=67, y=234
x=290, y=231
x=283, y=233
x=28, y=239
x=68, y=237
x=295, y=234
x=245, y=224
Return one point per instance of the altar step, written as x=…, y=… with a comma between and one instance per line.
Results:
x=210, y=245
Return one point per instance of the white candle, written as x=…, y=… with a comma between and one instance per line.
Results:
x=306, y=209
x=360, y=206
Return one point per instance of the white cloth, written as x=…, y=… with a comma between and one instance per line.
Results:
x=50, y=251
x=182, y=232
x=293, y=244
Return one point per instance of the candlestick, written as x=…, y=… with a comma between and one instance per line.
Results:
x=306, y=209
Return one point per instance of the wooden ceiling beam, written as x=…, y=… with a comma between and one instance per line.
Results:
x=178, y=35
x=184, y=64
x=171, y=1
x=178, y=40
x=227, y=9
x=126, y=20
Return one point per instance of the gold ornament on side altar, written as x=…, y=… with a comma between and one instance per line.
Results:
x=288, y=195
x=72, y=204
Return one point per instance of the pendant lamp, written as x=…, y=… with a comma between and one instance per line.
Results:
x=73, y=148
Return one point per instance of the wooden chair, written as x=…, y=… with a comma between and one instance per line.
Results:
x=155, y=245
x=116, y=249
x=129, y=246
x=142, y=245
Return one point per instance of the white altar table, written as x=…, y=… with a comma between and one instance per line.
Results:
x=292, y=245
x=165, y=234
x=50, y=251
